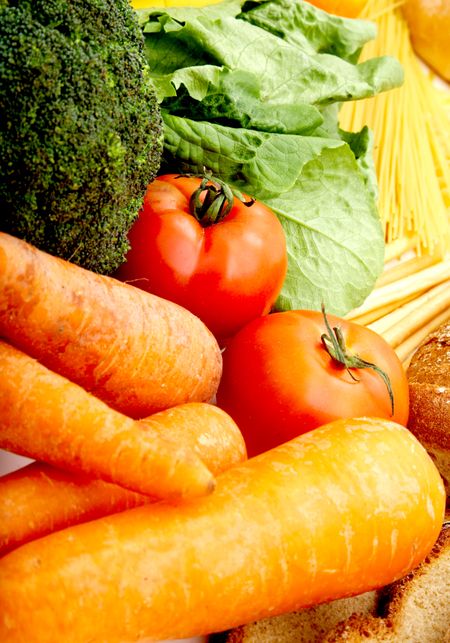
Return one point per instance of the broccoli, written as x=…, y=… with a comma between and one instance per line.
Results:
x=80, y=131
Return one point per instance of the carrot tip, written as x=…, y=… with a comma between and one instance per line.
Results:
x=211, y=485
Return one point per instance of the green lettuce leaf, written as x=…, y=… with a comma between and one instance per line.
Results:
x=218, y=94
x=251, y=90
x=310, y=28
x=180, y=14
x=286, y=73
x=317, y=189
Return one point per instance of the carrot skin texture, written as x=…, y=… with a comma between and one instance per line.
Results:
x=135, y=351
x=46, y=417
x=343, y=509
x=204, y=428
x=39, y=499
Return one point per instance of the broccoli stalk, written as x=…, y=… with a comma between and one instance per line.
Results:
x=80, y=129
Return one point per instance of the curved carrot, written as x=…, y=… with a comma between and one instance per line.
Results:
x=46, y=417
x=138, y=353
x=39, y=499
x=206, y=429
x=346, y=508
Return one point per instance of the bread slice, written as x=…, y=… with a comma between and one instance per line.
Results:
x=415, y=609
x=306, y=625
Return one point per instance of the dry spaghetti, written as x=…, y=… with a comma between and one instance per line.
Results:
x=411, y=126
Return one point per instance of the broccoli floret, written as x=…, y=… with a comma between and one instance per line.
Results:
x=80, y=128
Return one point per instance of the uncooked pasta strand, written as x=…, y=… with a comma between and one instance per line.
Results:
x=411, y=128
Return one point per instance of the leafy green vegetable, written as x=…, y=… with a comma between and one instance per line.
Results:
x=311, y=29
x=233, y=96
x=315, y=187
x=80, y=127
x=251, y=91
x=286, y=72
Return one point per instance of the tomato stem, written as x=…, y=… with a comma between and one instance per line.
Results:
x=217, y=201
x=334, y=344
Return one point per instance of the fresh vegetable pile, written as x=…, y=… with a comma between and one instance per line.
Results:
x=332, y=513
x=143, y=517
x=359, y=499
x=251, y=91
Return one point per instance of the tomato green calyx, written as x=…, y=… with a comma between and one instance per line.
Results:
x=334, y=344
x=217, y=202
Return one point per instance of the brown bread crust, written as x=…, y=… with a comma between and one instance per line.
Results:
x=429, y=388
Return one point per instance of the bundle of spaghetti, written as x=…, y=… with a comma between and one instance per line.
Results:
x=389, y=296
x=411, y=128
x=410, y=299
x=443, y=135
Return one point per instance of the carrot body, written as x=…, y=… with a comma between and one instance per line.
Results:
x=39, y=499
x=46, y=417
x=343, y=509
x=138, y=353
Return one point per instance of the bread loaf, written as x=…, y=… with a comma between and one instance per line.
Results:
x=429, y=387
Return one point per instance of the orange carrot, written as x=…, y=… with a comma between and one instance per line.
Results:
x=39, y=498
x=138, y=353
x=341, y=510
x=46, y=417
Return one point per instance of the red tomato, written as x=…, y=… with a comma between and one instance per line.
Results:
x=227, y=273
x=280, y=381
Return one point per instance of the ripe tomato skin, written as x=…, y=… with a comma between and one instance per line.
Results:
x=279, y=381
x=227, y=273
